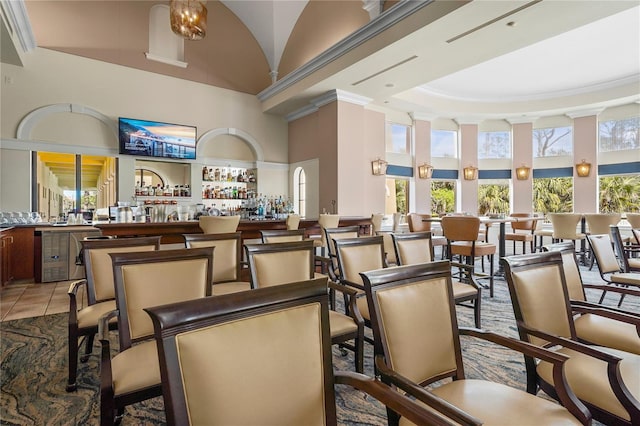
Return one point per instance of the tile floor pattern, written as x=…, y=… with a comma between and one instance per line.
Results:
x=24, y=300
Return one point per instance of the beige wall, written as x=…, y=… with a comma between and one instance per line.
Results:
x=585, y=146
x=468, y=156
x=522, y=190
x=422, y=141
x=51, y=78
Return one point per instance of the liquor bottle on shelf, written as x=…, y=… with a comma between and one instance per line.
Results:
x=205, y=173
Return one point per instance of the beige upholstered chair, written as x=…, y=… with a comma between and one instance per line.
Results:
x=461, y=233
x=610, y=269
x=282, y=263
x=357, y=255
x=625, y=251
x=565, y=226
x=326, y=221
x=606, y=380
x=292, y=221
x=332, y=234
x=598, y=223
x=417, y=346
x=539, y=233
x=231, y=355
x=99, y=294
x=600, y=327
x=523, y=231
x=421, y=223
x=376, y=222
x=143, y=280
x=227, y=262
x=219, y=224
x=415, y=247
x=282, y=235
x=389, y=252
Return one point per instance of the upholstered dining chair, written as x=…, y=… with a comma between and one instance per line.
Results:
x=376, y=223
x=282, y=235
x=219, y=353
x=416, y=247
x=523, y=231
x=417, y=344
x=461, y=233
x=598, y=224
x=326, y=220
x=596, y=324
x=565, y=226
x=422, y=223
x=606, y=380
x=357, y=255
x=281, y=263
x=292, y=221
x=609, y=266
x=143, y=280
x=99, y=294
x=625, y=251
x=332, y=234
x=219, y=224
x=227, y=262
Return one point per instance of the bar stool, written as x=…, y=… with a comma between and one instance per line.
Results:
x=565, y=228
x=524, y=237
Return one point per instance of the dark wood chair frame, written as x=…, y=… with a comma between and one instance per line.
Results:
x=474, y=299
x=112, y=407
x=220, y=237
x=624, y=251
x=534, y=382
x=383, y=279
x=349, y=294
x=171, y=320
x=568, y=247
x=77, y=334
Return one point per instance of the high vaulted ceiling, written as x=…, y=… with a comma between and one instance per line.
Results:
x=456, y=59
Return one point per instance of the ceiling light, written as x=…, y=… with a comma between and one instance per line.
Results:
x=188, y=18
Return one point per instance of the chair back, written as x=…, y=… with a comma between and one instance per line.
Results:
x=599, y=223
x=523, y=225
x=99, y=269
x=417, y=222
x=636, y=235
x=357, y=255
x=226, y=262
x=219, y=224
x=539, y=295
x=332, y=234
x=564, y=225
x=602, y=249
x=460, y=228
x=413, y=247
x=403, y=298
x=618, y=244
x=292, y=221
x=232, y=352
x=634, y=220
x=376, y=222
x=327, y=221
x=282, y=235
x=280, y=263
x=146, y=279
x=571, y=269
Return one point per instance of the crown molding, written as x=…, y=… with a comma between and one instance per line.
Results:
x=422, y=116
x=584, y=113
x=18, y=18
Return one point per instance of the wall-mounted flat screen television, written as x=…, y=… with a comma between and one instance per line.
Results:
x=155, y=139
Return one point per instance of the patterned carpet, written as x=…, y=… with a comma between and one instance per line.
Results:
x=34, y=371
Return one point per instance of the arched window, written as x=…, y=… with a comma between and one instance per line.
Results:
x=299, y=191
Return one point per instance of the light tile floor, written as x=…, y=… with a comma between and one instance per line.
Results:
x=24, y=300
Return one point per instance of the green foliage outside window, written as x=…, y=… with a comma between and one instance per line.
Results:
x=553, y=195
x=619, y=194
x=493, y=198
x=443, y=197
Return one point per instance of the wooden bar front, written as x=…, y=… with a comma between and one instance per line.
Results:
x=171, y=232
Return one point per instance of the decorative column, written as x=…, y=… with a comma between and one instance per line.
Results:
x=422, y=143
x=522, y=189
x=468, y=157
x=585, y=147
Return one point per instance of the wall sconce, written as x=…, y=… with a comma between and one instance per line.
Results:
x=583, y=169
x=470, y=173
x=425, y=171
x=379, y=167
x=522, y=172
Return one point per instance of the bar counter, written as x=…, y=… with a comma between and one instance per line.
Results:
x=171, y=232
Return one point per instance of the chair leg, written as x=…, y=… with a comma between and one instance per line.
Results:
x=359, y=352
x=476, y=310
x=491, y=276
x=88, y=348
x=73, y=359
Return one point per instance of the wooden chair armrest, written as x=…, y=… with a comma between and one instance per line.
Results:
x=572, y=344
x=73, y=300
x=468, y=269
x=103, y=325
x=396, y=401
x=615, y=314
x=393, y=378
x=614, y=289
x=354, y=311
x=352, y=284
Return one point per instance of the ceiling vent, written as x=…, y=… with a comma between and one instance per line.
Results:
x=385, y=70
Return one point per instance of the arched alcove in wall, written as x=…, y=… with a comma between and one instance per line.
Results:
x=230, y=144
